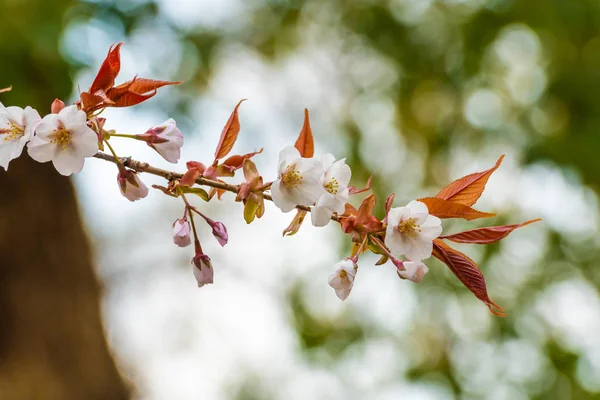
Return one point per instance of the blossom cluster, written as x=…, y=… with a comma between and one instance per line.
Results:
x=405, y=236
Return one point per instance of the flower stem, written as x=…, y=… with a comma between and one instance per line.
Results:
x=117, y=159
x=125, y=135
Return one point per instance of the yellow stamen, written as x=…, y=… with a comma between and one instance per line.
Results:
x=409, y=227
x=15, y=132
x=62, y=137
x=332, y=186
x=291, y=179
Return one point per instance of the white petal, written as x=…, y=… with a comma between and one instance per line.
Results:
x=46, y=127
x=310, y=168
x=320, y=216
x=417, y=207
x=6, y=151
x=340, y=171
x=396, y=242
x=288, y=156
x=170, y=151
x=67, y=161
x=431, y=229
x=85, y=142
x=72, y=117
x=32, y=119
x=414, y=271
x=396, y=215
x=340, y=201
x=281, y=198
x=419, y=250
x=327, y=160
x=15, y=114
x=41, y=150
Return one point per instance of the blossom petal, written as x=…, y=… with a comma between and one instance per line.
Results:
x=431, y=228
x=41, y=150
x=419, y=249
x=327, y=160
x=281, y=198
x=85, y=142
x=341, y=171
x=320, y=216
x=68, y=162
x=288, y=156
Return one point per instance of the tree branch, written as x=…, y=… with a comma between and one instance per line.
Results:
x=140, y=166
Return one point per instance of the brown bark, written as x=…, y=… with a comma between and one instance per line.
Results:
x=52, y=343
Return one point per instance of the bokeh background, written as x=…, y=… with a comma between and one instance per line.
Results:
x=415, y=93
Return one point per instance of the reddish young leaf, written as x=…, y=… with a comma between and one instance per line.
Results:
x=237, y=161
x=135, y=91
x=229, y=134
x=108, y=70
x=306, y=143
x=8, y=89
x=468, y=189
x=388, y=205
x=486, y=235
x=296, y=223
x=449, y=209
x=353, y=190
x=365, y=211
x=467, y=272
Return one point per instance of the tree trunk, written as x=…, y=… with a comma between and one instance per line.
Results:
x=52, y=343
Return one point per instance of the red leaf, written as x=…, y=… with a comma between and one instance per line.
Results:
x=353, y=190
x=468, y=189
x=467, y=272
x=365, y=211
x=486, y=235
x=229, y=134
x=135, y=91
x=237, y=161
x=449, y=209
x=296, y=223
x=388, y=205
x=108, y=70
x=305, y=142
x=90, y=101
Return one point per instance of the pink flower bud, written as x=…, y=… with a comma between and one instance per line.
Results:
x=166, y=139
x=57, y=106
x=181, y=232
x=203, y=271
x=219, y=231
x=131, y=186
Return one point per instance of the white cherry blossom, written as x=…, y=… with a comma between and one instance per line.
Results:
x=413, y=271
x=342, y=278
x=411, y=230
x=166, y=139
x=65, y=139
x=335, y=181
x=298, y=182
x=131, y=185
x=16, y=129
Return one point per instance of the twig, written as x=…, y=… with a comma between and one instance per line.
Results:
x=139, y=166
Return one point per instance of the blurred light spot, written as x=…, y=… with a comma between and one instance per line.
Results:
x=484, y=109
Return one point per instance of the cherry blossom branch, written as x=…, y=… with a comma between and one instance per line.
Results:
x=140, y=166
